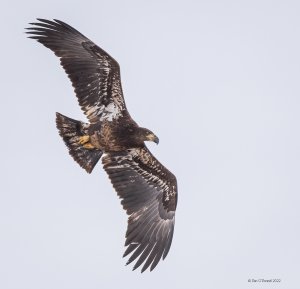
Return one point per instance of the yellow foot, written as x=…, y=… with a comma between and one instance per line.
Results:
x=84, y=139
x=85, y=142
x=88, y=146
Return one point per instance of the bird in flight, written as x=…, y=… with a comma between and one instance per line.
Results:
x=148, y=190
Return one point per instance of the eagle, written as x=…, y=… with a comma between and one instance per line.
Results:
x=147, y=189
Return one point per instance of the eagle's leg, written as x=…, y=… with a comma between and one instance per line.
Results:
x=85, y=142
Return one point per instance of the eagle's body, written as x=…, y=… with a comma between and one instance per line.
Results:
x=115, y=136
x=147, y=189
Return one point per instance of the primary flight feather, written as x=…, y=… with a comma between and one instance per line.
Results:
x=148, y=190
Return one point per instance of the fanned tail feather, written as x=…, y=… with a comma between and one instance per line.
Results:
x=71, y=130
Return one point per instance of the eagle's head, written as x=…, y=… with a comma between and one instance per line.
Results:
x=145, y=134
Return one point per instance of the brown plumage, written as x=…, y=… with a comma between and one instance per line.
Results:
x=147, y=189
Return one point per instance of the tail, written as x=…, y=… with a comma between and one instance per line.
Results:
x=70, y=130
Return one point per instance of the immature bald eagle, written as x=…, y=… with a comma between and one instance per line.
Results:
x=147, y=189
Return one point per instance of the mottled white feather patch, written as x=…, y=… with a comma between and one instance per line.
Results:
x=110, y=112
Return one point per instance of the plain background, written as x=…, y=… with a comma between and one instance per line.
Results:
x=218, y=82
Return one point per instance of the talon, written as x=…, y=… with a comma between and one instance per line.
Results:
x=88, y=146
x=83, y=139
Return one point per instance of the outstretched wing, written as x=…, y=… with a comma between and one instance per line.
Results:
x=149, y=195
x=95, y=75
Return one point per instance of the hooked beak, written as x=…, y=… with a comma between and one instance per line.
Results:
x=153, y=137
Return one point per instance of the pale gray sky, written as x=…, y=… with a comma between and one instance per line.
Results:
x=218, y=82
